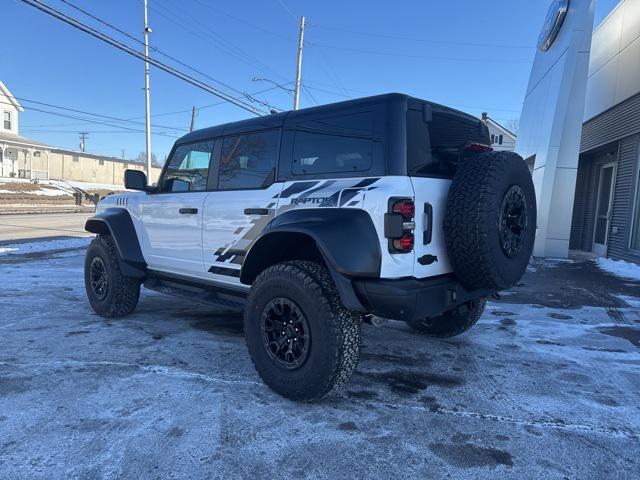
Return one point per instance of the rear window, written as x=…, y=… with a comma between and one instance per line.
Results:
x=336, y=144
x=433, y=147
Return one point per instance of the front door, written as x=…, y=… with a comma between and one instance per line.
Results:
x=172, y=218
x=604, y=201
x=242, y=202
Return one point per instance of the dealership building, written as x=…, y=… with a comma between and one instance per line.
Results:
x=606, y=209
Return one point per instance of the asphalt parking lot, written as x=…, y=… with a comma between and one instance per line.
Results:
x=547, y=385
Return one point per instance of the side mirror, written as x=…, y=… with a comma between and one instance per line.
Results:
x=135, y=180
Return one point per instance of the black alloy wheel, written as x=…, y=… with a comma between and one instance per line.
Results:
x=99, y=282
x=513, y=221
x=285, y=333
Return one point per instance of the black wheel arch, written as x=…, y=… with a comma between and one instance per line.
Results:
x=117, y=223
x=344, y=239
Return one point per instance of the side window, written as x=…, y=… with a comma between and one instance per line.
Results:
x=7, y=120
x=248, y=161
x=188, y=168
x=334, y=145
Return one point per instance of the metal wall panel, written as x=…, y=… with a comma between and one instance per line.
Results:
x=624, y=195
x=618, y=122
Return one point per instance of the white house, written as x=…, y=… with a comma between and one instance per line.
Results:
x=501, y=138
x=22, y=157
x=17, y=153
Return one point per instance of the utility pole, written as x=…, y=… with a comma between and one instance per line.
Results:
x=193, y=118
x=296, y=93
x=83, y=137
x=147, y=31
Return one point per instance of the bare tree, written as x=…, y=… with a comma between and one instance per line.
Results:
x=513, y=125
x=142, y=158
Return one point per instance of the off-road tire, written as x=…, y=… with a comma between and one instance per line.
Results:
x=122, y=293
x=334, y=346
x=472, y=224
x=453, y=322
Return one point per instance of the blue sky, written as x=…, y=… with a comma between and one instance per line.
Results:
x=469, y=54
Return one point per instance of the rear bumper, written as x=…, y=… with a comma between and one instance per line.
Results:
x=412, y=298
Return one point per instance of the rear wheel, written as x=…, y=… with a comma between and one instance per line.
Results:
x=453, y=322
x=110, y=293
x=302, y=341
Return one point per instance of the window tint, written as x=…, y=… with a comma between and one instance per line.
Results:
x=334, y=145
x=421, y=160
x=433, y=147
x=248, y=161
x=188, y=168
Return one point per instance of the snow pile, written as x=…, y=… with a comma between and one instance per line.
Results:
x=49, y=192
x=35, y=247
x=619, y=268
x=66, y=184
x=41, y=189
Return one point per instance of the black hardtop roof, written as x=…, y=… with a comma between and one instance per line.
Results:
x=277, y=120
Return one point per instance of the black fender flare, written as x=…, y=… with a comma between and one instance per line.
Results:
x=117, y=223
x=345, y=237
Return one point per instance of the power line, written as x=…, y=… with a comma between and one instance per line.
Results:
x=157, y=50
x=249, y=24
x=287, y=9
x=422, y=40
x=131, y=51
x=175, y=112
x=209, y=36
x=86, y=120
x=108, y=117
x=411, y=55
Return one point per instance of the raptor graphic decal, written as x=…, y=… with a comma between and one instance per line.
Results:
x=303, y=194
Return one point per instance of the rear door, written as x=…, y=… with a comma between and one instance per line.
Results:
x=430, y=176
x=172, y=218
x=242, y=201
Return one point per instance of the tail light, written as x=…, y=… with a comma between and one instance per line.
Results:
x=404, y=243
x=406, y=208
x=399, y=225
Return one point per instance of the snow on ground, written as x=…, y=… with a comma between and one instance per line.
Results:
x=37, y=247
x=28, y=188
x=54, y=187
x=534, y=390
x=619, y=268
x=50, y=192
x=86, y=185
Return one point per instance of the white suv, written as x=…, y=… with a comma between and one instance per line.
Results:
x=313, y=221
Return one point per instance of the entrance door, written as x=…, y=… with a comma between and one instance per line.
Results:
x=603, y=208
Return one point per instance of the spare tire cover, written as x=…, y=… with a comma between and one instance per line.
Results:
x=490, y=221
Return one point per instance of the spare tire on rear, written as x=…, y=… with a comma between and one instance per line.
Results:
x=490, y=221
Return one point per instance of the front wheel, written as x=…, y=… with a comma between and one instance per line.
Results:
x=302, y=341
x=110, y=293
x=453, y=322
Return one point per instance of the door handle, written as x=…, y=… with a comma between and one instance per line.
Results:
x=256, y=211
x=188, y=211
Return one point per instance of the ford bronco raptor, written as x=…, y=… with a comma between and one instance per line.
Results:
x=313, y=221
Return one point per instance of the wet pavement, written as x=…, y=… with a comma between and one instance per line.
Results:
x=546, y=385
